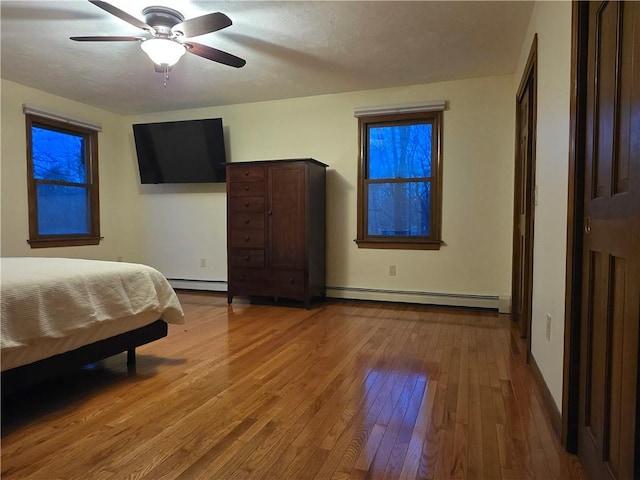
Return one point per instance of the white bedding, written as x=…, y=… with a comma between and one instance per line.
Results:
x=53, y=305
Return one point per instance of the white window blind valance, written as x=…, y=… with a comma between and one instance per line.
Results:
x=31, y=110
x=437, y=105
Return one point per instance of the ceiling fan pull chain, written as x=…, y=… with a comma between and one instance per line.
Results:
x=166, y=75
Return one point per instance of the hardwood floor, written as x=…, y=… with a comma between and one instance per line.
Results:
x=346, y=390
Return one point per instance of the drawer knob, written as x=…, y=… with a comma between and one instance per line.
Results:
x=246, y=187
x=246, y=172
x=246, y=204
x=241, y=277
x=270, y=212
x=247, y=221
x=246, y=257
x=291, y=281
x=247, y=238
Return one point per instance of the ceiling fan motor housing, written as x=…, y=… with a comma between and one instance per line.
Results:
x=162, y=18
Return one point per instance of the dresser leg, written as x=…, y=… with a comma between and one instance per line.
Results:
x=229, y=299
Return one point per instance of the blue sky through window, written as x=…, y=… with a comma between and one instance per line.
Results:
x=57, y=156
x=401, y=151
x=62, y=210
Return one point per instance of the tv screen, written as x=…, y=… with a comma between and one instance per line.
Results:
x=189, y=151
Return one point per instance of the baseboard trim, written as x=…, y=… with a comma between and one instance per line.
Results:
x=547, y=398
x=493, y=302
x=208, y=285
x=428, y=298
x=504, y=304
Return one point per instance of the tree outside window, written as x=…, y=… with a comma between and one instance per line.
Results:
x=399, y=183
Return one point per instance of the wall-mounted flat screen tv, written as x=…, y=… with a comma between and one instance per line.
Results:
x=189, y=151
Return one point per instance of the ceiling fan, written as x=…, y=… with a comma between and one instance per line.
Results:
x=170, y=34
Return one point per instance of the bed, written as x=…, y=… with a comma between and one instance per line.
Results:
x=60, y=313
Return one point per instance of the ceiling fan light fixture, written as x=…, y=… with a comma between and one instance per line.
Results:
x=163, y=51
x=170, y=33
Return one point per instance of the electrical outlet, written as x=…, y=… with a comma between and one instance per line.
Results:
x=392, y=270
x=549, y=326
x=203, y=262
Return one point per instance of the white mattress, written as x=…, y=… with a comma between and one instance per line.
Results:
x=53, y=305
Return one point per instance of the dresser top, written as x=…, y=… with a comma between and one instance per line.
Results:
x=286, y=160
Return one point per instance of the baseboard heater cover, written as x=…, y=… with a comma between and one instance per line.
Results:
x=431, y=298
x=208, y=285
x=494, y=302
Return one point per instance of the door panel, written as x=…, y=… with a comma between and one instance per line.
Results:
x=615, y=451
x=605, y=68
x=521, y=301
x=611, y=244
x=525, y=213
x=595, y=330
x=287, y=237
x=522, y=274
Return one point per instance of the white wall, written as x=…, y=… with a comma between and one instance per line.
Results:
x=172, y=227
x=182, y=224
x=117, y=178
x=552, y=22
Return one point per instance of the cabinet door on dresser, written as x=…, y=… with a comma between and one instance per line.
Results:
x=286, y=216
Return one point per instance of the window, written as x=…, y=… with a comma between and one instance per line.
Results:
x=399, y=181
x=62, y=168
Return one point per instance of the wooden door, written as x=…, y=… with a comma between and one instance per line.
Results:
x=286, y=216
x=522, y=270
x=608, y=399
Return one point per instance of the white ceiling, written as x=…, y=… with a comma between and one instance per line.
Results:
x=292, y=49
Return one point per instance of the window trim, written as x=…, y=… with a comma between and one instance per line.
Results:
x=91, y=155
x=434, y=241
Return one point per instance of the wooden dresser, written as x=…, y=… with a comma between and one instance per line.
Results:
x=276, y=229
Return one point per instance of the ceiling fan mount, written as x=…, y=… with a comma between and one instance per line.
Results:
x=170, y=32
x=162, y=18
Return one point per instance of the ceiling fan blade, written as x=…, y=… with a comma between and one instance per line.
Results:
x=214, y=54
x=196, y=26
x=121, y=14
x=107, y=39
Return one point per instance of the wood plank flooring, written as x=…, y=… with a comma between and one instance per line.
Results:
x=346, y=390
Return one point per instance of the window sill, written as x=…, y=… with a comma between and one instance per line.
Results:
x=400, y=244
x=63, y=242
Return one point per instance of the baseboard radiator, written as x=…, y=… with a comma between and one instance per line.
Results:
x=494, y=302
x=208, y=285
x=500, y=303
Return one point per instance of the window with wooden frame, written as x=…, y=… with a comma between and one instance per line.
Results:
x=400, y=181
x=62, y=169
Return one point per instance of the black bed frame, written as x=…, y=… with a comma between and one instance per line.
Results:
x=32, y=373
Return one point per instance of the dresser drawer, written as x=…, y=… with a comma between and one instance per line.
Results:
x=246, y=204
x=244, y=221
x=246, y=173
x=256, y=279
x=272, y=283
x=246, y=239
x=246, y=258
x=246, y=189
x=289, y=281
